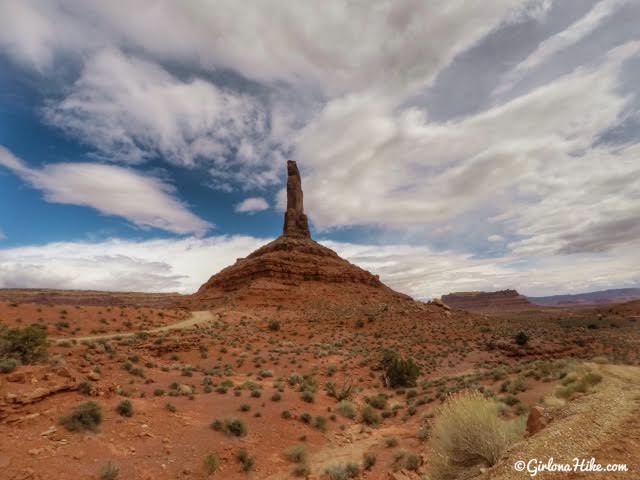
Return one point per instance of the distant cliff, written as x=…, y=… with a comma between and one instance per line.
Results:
x=592, y=298
x=487, y=301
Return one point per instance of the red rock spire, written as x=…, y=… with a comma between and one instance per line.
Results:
x=295, y=221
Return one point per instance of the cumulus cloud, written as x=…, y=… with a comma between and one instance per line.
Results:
x=185, y=264
x=252, y=205
x=145, y=201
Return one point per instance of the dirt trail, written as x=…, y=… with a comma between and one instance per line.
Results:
x=602, y=425
x=196, y=318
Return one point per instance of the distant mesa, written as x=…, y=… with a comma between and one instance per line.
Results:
x=293, y=267
x=601, y=297
x=487, y=301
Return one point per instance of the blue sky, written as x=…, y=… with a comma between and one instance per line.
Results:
x=443, y=145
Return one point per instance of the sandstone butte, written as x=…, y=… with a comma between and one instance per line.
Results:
x=293, y=268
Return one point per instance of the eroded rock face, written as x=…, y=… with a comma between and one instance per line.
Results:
x=290, y=262
x=487, y=301
x=295, y=221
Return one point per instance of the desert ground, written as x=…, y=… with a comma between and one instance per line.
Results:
x=262, y=380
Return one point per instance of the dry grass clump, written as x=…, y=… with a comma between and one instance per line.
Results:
x=469, y=432
x=581, y=380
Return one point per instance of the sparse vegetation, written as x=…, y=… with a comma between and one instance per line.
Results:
x=125, y=408
x=342, y=471
x=468, y=431
x=85, y=417
x=25, y=345
x=397, y=371
x=247, y=462
x=231, y=426
x=109, y=472
x=211, y=464
x=521, y=338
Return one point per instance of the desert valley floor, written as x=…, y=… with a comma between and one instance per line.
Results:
x=249, y=375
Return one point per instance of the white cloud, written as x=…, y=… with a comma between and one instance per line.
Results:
x=390, y=44
x=132, y=110
x=367, y=163
x=562, y=40
x=183, y=265
x=252, y=205
x=143, y=200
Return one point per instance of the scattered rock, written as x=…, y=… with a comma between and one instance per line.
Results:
x=536, y=420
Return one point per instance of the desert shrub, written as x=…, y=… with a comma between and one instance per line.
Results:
x=274, y=325
x=171, y=407
x=276, y=397
x=320, y=423
x=245, y=460
x=230, y=426
x=342, y=472
x=407, y=460
x=521, y=338
x=397, y=371
x=347, y=409
x=379, y=401
x=371, y=417
x=469, y=431
x=308, y=396
x=297, y=454
x=391, y=442
x=211, y=464
x=301, y=470
x=87, y=416
x=8, y=365
x=424, y=433
x=125, y=408
x=368, y=461
x=339, y=393
x=109, y=472
x=26, y=345
x=286, y=414
x=580, y=381
x=85, y=388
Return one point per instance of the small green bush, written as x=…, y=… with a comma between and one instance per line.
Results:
x=125, y=408
x=231, y=426
x=27, y=345
x=521, y=338
x=397, y=371
x=347, y=409
x=87, y=416
x=297, y=454
x=109, y=472
x=368, y=461
x=211, y=464
x=245, y=460
x=274, y=325
x=342, y=472
x=8, y=365
x=371, y=417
